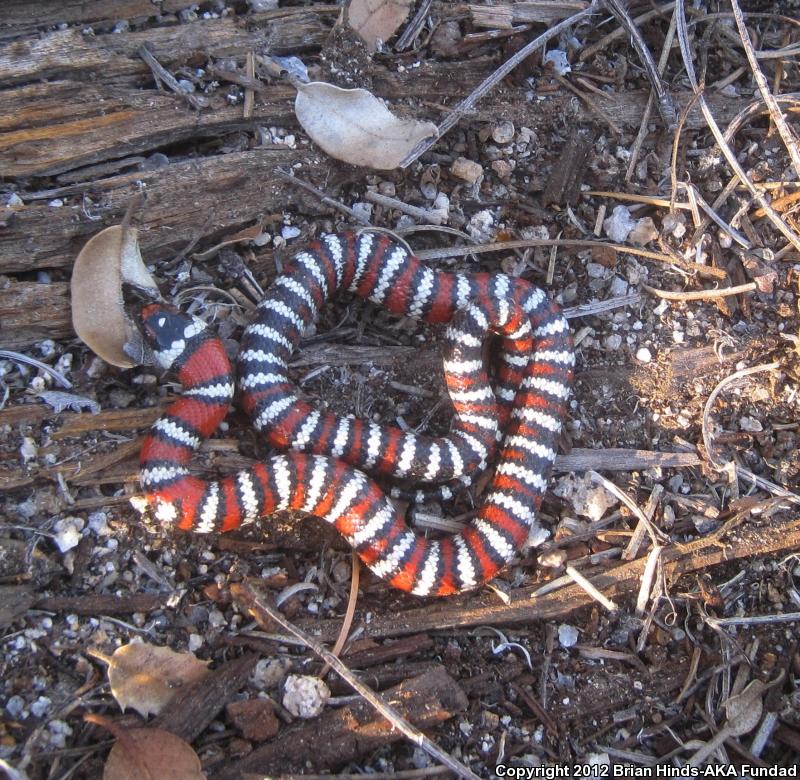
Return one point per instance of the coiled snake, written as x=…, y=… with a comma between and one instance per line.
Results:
x=522, y=414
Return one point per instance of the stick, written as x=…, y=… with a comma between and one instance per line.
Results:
x=264, y=613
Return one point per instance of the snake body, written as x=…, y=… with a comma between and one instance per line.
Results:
x=323, y=473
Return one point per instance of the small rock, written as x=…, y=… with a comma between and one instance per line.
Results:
x=480, y=226
x=643, y=355
x=643, y=232
x=40, y=707
x=567, y=635
x=57, y=203
x=619, y=224
x=503, y=169
x=195, y=643
x=67, y=533
x=29, y=449
x=503, y=133
x=750, y=424
x=619, y=287
x=587, y=499
x=341, y=572
x=98, y=524
x=290, y=231
x=675, y=483
x=595, y=270
x=613, y=342
x=558, y=59
x=254, y=718
x=270, y=673
x=674, y=224
x=466, y=170
x=441, y=205
x=305, y=696
x=15, y=706
x=554, y=559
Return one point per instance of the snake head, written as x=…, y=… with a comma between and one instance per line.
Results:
x=168, y=331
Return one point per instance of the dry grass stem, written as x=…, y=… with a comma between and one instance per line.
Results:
x=774, y=217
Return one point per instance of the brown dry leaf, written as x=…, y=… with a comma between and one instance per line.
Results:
x=98, y=312
x=376, y=19
x=354, y=126
x=146, y=677
x=149, y=754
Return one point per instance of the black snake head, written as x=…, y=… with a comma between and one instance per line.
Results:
x=168, y=332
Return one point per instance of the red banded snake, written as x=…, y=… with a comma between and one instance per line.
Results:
x=524, y=413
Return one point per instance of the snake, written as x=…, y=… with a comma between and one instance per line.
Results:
x=329, y=464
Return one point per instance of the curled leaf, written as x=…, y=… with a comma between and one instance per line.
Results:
x=108, y=260
x=146, y=677
x=354, y=126
x=375, y=20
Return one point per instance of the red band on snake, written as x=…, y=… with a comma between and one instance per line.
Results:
x=523, y=412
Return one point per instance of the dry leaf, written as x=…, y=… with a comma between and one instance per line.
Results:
x=354, y=126
x=146, y=677
x=98, y=312
x=146, y=754
x=375, y=20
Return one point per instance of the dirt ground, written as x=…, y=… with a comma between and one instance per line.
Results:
x=674, y=494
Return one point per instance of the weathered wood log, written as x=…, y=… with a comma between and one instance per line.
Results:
x=31, y=312
x=61, y=125
x=113, y=57
x=191, y=710
x=21, y=17
x=209, y=197
x=95, y=604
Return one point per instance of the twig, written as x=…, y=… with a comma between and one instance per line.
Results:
x=20, y=358
x=264, y=614
x=328, y=201
x=427, y=215
x=582, y=582
x=665, y=105
x=637, y=537
x=774, y=217
x=461, y=251
x=161, y=74
x=647, y=578
x=495, y=78
x=754, y=620
x=692, y=193
x=676, y=142
x=789, y=141
x=414, y=26
x=701, y=295
x=593, y=107
x=249, y=93
x=648, y=109
x=646, y=200
x=656, y=536
x=619, y=32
